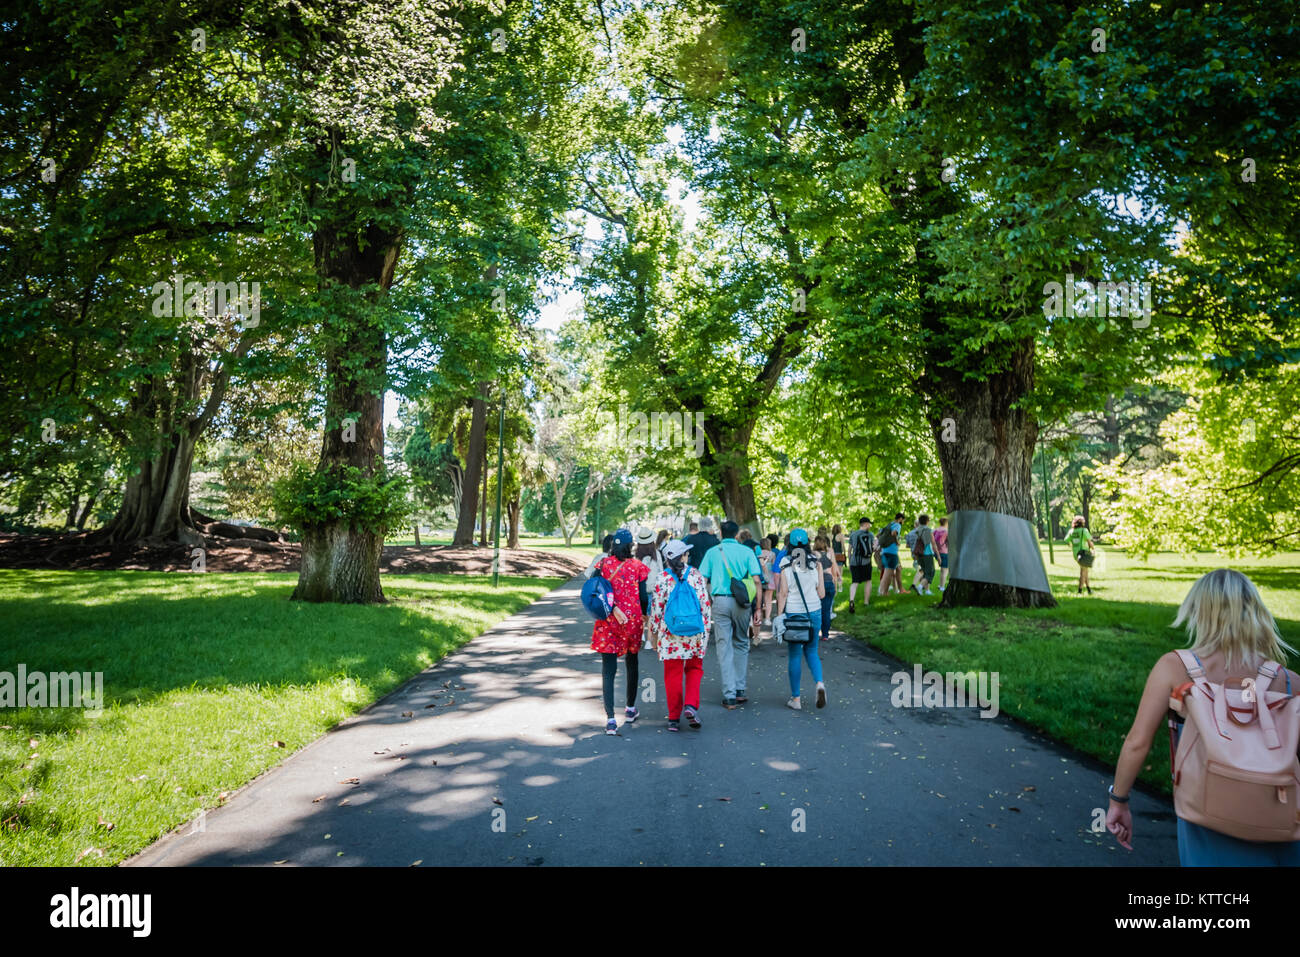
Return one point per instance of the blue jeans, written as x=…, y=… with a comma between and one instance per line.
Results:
x=827, y=602
x=809, y=651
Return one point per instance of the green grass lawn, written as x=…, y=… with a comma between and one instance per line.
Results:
x=1075, y=671
x=581, y=549
x=203, y=675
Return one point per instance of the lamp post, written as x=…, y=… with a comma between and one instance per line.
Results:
x=496, y=520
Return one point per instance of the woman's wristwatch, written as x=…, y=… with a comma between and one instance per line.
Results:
x=1115, y=797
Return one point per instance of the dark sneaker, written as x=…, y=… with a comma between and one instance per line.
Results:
x=740, y=698
x=852, y=610
x=729, y=704
x=821, y=695
x=692, y=718
x=631, y=714
x=674, y=726
x=611, y=726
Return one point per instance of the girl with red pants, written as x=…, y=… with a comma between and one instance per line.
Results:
x=683, y=657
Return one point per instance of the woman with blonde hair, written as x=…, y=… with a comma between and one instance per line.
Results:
x=1231, y=635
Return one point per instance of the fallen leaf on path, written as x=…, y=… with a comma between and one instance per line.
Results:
x=428, y=706
x=498, y=801
x=1030, y=787
x=318, y=800
x=724, y=799
x=350, y=781
x=344, y=801
x=460, y=687
x=408, y=714
x=285, y=861
x=416, y=863
x=385, y=751
x=533, y=818
x=277, y=744
x=1016, y=809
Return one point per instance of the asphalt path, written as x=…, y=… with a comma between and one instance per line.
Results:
x=512, y=767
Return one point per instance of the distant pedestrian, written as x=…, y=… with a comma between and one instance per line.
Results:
x=606, y=544
x=1080, y=540
x=701, y=540
x=838, y=543
x=799, y=611
x=923, y=552
x=862, y=545
x=941, y=544
x=831, y=582
x=766, y=558
x=682, y=654
x=619, y=635
x=648, y=555
x=725, y=563
x=888, y=544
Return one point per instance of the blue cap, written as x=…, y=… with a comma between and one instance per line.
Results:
x=798, y=537
x=622, y=537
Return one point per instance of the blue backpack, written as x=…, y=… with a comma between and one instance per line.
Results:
x=598, y=595
x=682, y=614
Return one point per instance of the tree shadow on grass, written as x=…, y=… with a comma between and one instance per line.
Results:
x=247, y=636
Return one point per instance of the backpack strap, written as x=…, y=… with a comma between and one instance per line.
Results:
x=1267, y=672
x=1192, y=664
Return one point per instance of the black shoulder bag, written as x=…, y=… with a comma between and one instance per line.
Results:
x=798, y=627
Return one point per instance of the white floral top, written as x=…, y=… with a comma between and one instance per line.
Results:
x=672, y=646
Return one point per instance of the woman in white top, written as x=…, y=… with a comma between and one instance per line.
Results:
x=800, y=592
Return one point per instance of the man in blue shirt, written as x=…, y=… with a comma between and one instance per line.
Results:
x=724, y=562
x=891, y=573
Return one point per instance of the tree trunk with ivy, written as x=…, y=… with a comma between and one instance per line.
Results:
x=340, y=557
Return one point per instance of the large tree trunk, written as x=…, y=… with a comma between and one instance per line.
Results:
x=725, y=464
x=989, y=468
x=156, y=500
x=340, y=562
x=469, y=491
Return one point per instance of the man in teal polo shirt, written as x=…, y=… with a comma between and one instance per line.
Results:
x=727, y=560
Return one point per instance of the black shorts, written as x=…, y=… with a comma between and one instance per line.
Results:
x=860, y=573
x=927, y=566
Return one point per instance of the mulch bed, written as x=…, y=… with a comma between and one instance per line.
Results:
x=252, y=555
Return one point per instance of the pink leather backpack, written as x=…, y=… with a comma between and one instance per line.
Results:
x=1235, y=770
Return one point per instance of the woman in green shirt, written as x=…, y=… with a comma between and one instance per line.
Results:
x=1080, y=539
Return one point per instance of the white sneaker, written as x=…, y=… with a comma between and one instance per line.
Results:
x=832, y=616
x=928, y=592
x=795, y=704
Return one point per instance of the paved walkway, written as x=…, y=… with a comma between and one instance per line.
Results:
x=518, y=770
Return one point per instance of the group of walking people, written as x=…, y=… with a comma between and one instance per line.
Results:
x=926, y=546
x=737, y=582
x=1234, y=794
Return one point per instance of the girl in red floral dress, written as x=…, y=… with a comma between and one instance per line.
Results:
x=619, y=635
